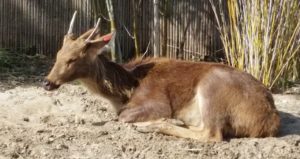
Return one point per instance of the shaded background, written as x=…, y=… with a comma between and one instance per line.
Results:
x=187, y=27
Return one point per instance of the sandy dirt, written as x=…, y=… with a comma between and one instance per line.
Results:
x=72, y=123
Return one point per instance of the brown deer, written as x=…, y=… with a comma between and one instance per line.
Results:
x=198, y=100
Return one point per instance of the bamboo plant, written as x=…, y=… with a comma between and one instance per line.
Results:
x=261, y=37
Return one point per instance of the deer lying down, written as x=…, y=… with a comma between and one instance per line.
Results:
x=203, y=101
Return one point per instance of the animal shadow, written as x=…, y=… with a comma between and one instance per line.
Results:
x=290, y=124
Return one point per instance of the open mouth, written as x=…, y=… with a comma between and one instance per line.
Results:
x=49, y=86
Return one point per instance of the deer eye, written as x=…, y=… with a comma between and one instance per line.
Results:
x=71, y=61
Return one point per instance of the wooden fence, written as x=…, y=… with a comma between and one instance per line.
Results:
x=187, y=28
x=39, y=24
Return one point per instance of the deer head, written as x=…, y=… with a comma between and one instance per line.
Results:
x=73, y=59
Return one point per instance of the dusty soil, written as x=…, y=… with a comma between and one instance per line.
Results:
x=72, y=123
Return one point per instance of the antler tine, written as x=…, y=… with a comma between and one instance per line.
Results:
x=94, y=31
x=70, y=31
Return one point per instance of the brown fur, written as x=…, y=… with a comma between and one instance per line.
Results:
x=241, y=106
x=212, y=100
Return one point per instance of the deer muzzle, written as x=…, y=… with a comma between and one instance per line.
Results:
x=49, y=86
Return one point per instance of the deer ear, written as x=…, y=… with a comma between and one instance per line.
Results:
x=108, y=38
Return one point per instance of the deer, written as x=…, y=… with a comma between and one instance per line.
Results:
x=204, y=101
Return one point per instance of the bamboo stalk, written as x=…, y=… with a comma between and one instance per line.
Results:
x=110, y=11
x=261, y=37
x=156, y=28
x=135, y=31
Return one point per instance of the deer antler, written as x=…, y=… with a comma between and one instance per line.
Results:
x=72, y=23
x=94, y=31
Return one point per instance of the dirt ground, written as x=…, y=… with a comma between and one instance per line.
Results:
x=72, y=123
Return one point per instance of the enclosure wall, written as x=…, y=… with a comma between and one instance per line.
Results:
x=187, y=28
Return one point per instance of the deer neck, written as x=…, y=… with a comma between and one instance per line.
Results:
x=111, y=81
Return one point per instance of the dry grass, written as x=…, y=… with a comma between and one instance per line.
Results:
x=261, y=37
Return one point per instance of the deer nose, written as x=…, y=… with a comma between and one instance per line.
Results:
x=46, y=82
x=48, y=85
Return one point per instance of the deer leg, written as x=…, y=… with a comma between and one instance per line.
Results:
x=145, y=112
x=169, y=127
x=176, y=122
